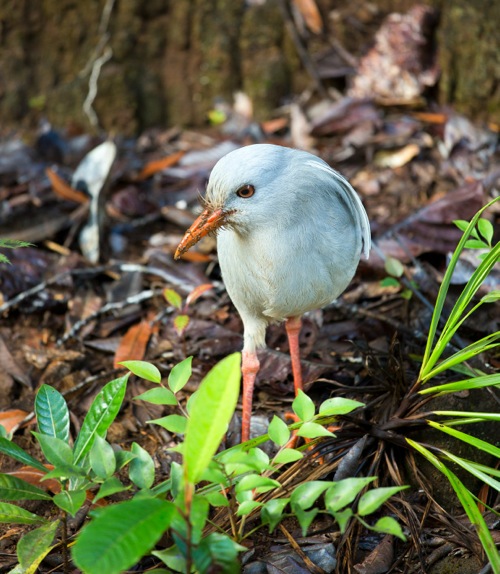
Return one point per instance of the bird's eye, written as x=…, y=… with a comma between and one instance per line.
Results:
x=245, y=191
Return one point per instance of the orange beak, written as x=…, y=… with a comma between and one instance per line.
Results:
x=207, y=222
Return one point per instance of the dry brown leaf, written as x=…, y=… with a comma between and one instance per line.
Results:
x=312, y=17
x=157, y=165
x=396, y=158
x=34, y=477
x=64, y=190
x=10, y=419
x=133, y=344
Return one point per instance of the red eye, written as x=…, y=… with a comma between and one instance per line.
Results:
x=245, y=191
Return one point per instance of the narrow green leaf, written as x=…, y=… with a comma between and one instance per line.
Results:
x=142, y=467
x=35, y=545
x=52, y=413
x=313, y=430
x=173, y=423
x=389, y=525
x=287, y=455
x=144, y=370
x=210, y=415
x=491, y=297
x=14, y=451
x=338, y=406
x=11, y=514
x=180, y=374
x=467, y=438
x=101, y=414
x=343, y=492
x=306, y=494
x=303, y=406
x=464, y=385
x=469, y=466
x=70, y=500
x=158, y=396
x=13, y=488
x=102, y=458
x=278, y=431
x=117, y=538
x=373, y=499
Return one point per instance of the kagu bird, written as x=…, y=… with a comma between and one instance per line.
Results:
x=290, y=233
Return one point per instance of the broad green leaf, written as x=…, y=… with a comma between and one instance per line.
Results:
x=173, y=298
x=173, y=423
x=216, y=499
x=389, y=525
x=272, y=511
x=35, y=545
x=70, y=500
x=373, y=499
x=247, y=507
x=306, y=494
x=158, y=396
x=305, y=518
x=287, y=455
x=14, y=451
x=469, y=439
x=121, y=534
x=486, y=229
x=102, y=458
x=13, y=488
x=144, y=370
x=12, y=514
x=256, y=482
x=343, y=517
x=462, y=224
x=55, y=450
x=303, y=406
x=389, y=282
x=180, y=323
x=475, y=244
x=343, y=492
x=172, y=558
x=123, y=457
x=313, y=430
x=179, y=375
x=394, y=267
x=338, y=406
x=101, y=414
x=278, y=431
x=52, y=413
x=110, y=486
x=218, y=553
x=142, y=467
x=210, y=415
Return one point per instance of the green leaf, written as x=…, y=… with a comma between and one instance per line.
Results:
x=287, y=455
x=11, y=514
x=117, y=538
x=35, y=545
x=343, y=518
x=256, y=482
x=13, y=488
x=144, y=370
x=180, y=323
x=305, y=518
x=123, y=457
x=389, y=525
x=486, y=230
x=56, y=451
x=70, y=500
x=210, y=415
x=491, y=297
x=142, y=467
x=14, y=243
x=102, y=458
x=278, y=431
x=173, y=298
x=247, y=507
x=216, y=499
x=180, y=374
x=110, y=486
x=306, y=494
x=464, y=385
x=272, y=512
x=217, y=553
x=343, y=492
x=11, y=449
x=373, y=499
x=173, y=423
x=303, y=406
x=338, y=406
x=464, y=437
x=52, y=413
x=313, y=430
x=389, y=282
x=158, y=396
x=475, y=244
x=101, y=414
x=462, y=224
x=394, y=267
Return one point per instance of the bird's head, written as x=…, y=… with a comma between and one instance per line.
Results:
x=239, y=193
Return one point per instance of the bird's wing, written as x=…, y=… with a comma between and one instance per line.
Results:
x=354, y=202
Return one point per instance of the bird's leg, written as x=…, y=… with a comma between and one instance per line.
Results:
x=293, y=326
x=249, y=368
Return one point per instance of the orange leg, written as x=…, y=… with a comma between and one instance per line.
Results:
x=293, y=326
x=249, y=368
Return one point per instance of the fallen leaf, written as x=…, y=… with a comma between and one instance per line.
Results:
x=160, y=164
x=133, y=344
x=197, y=292
x=35, y=476
x=64, y=190
x=10, y=419
x=311, y=15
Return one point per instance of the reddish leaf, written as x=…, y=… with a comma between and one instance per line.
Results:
x=309, y=11
x=10, y=419
x=64, y=190
x=133, y=344
x=197, y=292
x=34, y=477
x=157, y=165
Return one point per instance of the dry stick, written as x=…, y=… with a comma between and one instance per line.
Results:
x=307, y=561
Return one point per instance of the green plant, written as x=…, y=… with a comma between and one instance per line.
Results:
x=11, y=244
x=439, y=357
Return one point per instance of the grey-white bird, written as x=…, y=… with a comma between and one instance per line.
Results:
x=290, y=234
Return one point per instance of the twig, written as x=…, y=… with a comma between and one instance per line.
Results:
x=307, y=561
